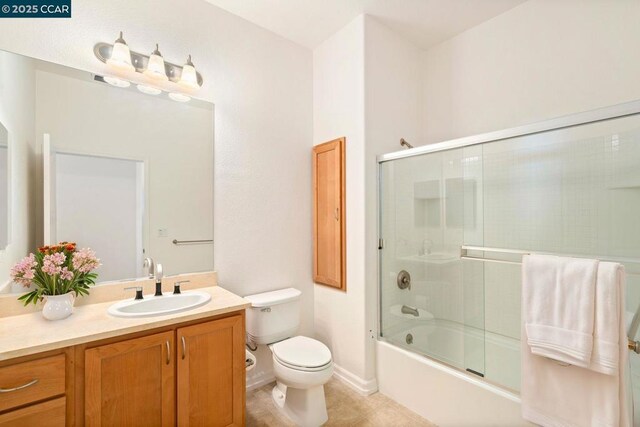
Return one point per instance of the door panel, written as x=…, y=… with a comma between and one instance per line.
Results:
x=329, y=214
x=211, y=373
x=131, y=383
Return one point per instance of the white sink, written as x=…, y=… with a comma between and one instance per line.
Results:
x=158, y=306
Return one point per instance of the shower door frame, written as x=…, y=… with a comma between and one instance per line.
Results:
x=617, y=111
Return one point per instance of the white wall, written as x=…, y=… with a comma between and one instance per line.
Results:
x=393, y=102
x=367, y=88
x=262, y=87
x=338, y=110
x=17, y=115
x=539, y=60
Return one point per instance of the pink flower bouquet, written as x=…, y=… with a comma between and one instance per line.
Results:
x=56, y=270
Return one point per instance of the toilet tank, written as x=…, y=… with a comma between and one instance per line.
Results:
x=273, y=316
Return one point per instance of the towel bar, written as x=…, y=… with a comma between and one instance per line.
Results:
x=191, y=242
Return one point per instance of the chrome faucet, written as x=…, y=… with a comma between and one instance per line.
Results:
x=427, y=244
x=410, y=310
x=150, y=266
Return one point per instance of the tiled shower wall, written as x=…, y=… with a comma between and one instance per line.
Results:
x=572, y=191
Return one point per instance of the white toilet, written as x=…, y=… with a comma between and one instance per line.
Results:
x=301, y=365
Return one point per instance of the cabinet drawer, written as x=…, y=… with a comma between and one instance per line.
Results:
x=46, y=414
x=31, y=381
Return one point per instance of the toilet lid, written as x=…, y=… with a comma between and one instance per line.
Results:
x=302, y=351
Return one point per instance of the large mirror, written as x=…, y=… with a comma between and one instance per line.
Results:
x=127, y=174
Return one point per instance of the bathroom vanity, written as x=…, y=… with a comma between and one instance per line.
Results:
x=94, y=369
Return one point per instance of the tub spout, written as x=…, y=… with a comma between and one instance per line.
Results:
x=410, y=310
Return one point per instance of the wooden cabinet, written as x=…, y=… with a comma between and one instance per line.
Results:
x=211, y=373
x=186, y=374
x=131, y=383
x=329, y=227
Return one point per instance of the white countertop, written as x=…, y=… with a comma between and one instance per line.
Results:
x=31, y=333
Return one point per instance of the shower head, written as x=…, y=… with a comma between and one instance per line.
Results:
x=405, y=143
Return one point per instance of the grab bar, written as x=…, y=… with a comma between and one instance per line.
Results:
x=464, y=249
x=191, y=242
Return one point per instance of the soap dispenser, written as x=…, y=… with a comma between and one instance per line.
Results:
x=159, y=276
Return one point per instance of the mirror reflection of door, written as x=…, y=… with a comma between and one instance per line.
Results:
x=4, y=187
x=99, y=203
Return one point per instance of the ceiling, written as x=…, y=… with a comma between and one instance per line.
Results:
x=310, y=22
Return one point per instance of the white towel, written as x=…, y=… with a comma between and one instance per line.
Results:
x=558, y=307
x=605, y=357
x=555, y=395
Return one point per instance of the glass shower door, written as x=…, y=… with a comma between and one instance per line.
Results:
x=431, y=301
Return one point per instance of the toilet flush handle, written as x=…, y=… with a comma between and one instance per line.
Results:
x=266, y=310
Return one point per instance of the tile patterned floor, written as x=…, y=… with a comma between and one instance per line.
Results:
x=345, y=406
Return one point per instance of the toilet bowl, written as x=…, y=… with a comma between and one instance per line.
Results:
x=301, y=364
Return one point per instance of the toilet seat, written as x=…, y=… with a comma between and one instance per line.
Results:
x=302, y=354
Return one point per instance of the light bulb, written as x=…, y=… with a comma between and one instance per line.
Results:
x=120, y=55
x=149, y=90
x=115, y=81
x=189, y=78
x=180, y=97
x=155, y=66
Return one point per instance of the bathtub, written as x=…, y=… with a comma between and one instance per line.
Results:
x=425, y=373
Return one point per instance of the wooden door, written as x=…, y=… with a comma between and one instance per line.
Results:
x=329, y=255
x=131, y=383
x=211, y=373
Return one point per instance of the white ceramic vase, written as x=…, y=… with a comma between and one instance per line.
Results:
x=57, y=307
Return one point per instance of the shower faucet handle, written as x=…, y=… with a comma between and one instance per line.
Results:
x=404, y=280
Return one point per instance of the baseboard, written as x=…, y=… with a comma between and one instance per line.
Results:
x=364, y=387
x=257, y=381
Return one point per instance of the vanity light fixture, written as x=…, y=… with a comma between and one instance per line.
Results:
x=155, y=66
x=180, y=97
x=121, y=55
x=149, y=90
x=151, y=74
x=117, y=82
x=189, y=77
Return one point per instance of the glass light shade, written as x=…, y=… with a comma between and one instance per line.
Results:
x=149, y=90
x=180, y=97
x=120, y=55
x=155, y=66
x=115, y=81
x=189, y=78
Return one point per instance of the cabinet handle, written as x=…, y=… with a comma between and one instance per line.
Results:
x=168, y=352
x=337, y=215
x=20, y=387
x=184, y=347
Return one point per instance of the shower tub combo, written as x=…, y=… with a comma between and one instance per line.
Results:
x=455, y=219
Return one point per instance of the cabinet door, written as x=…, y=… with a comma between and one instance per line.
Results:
x=211, y=373
x=329, y=255
x=131, y=383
